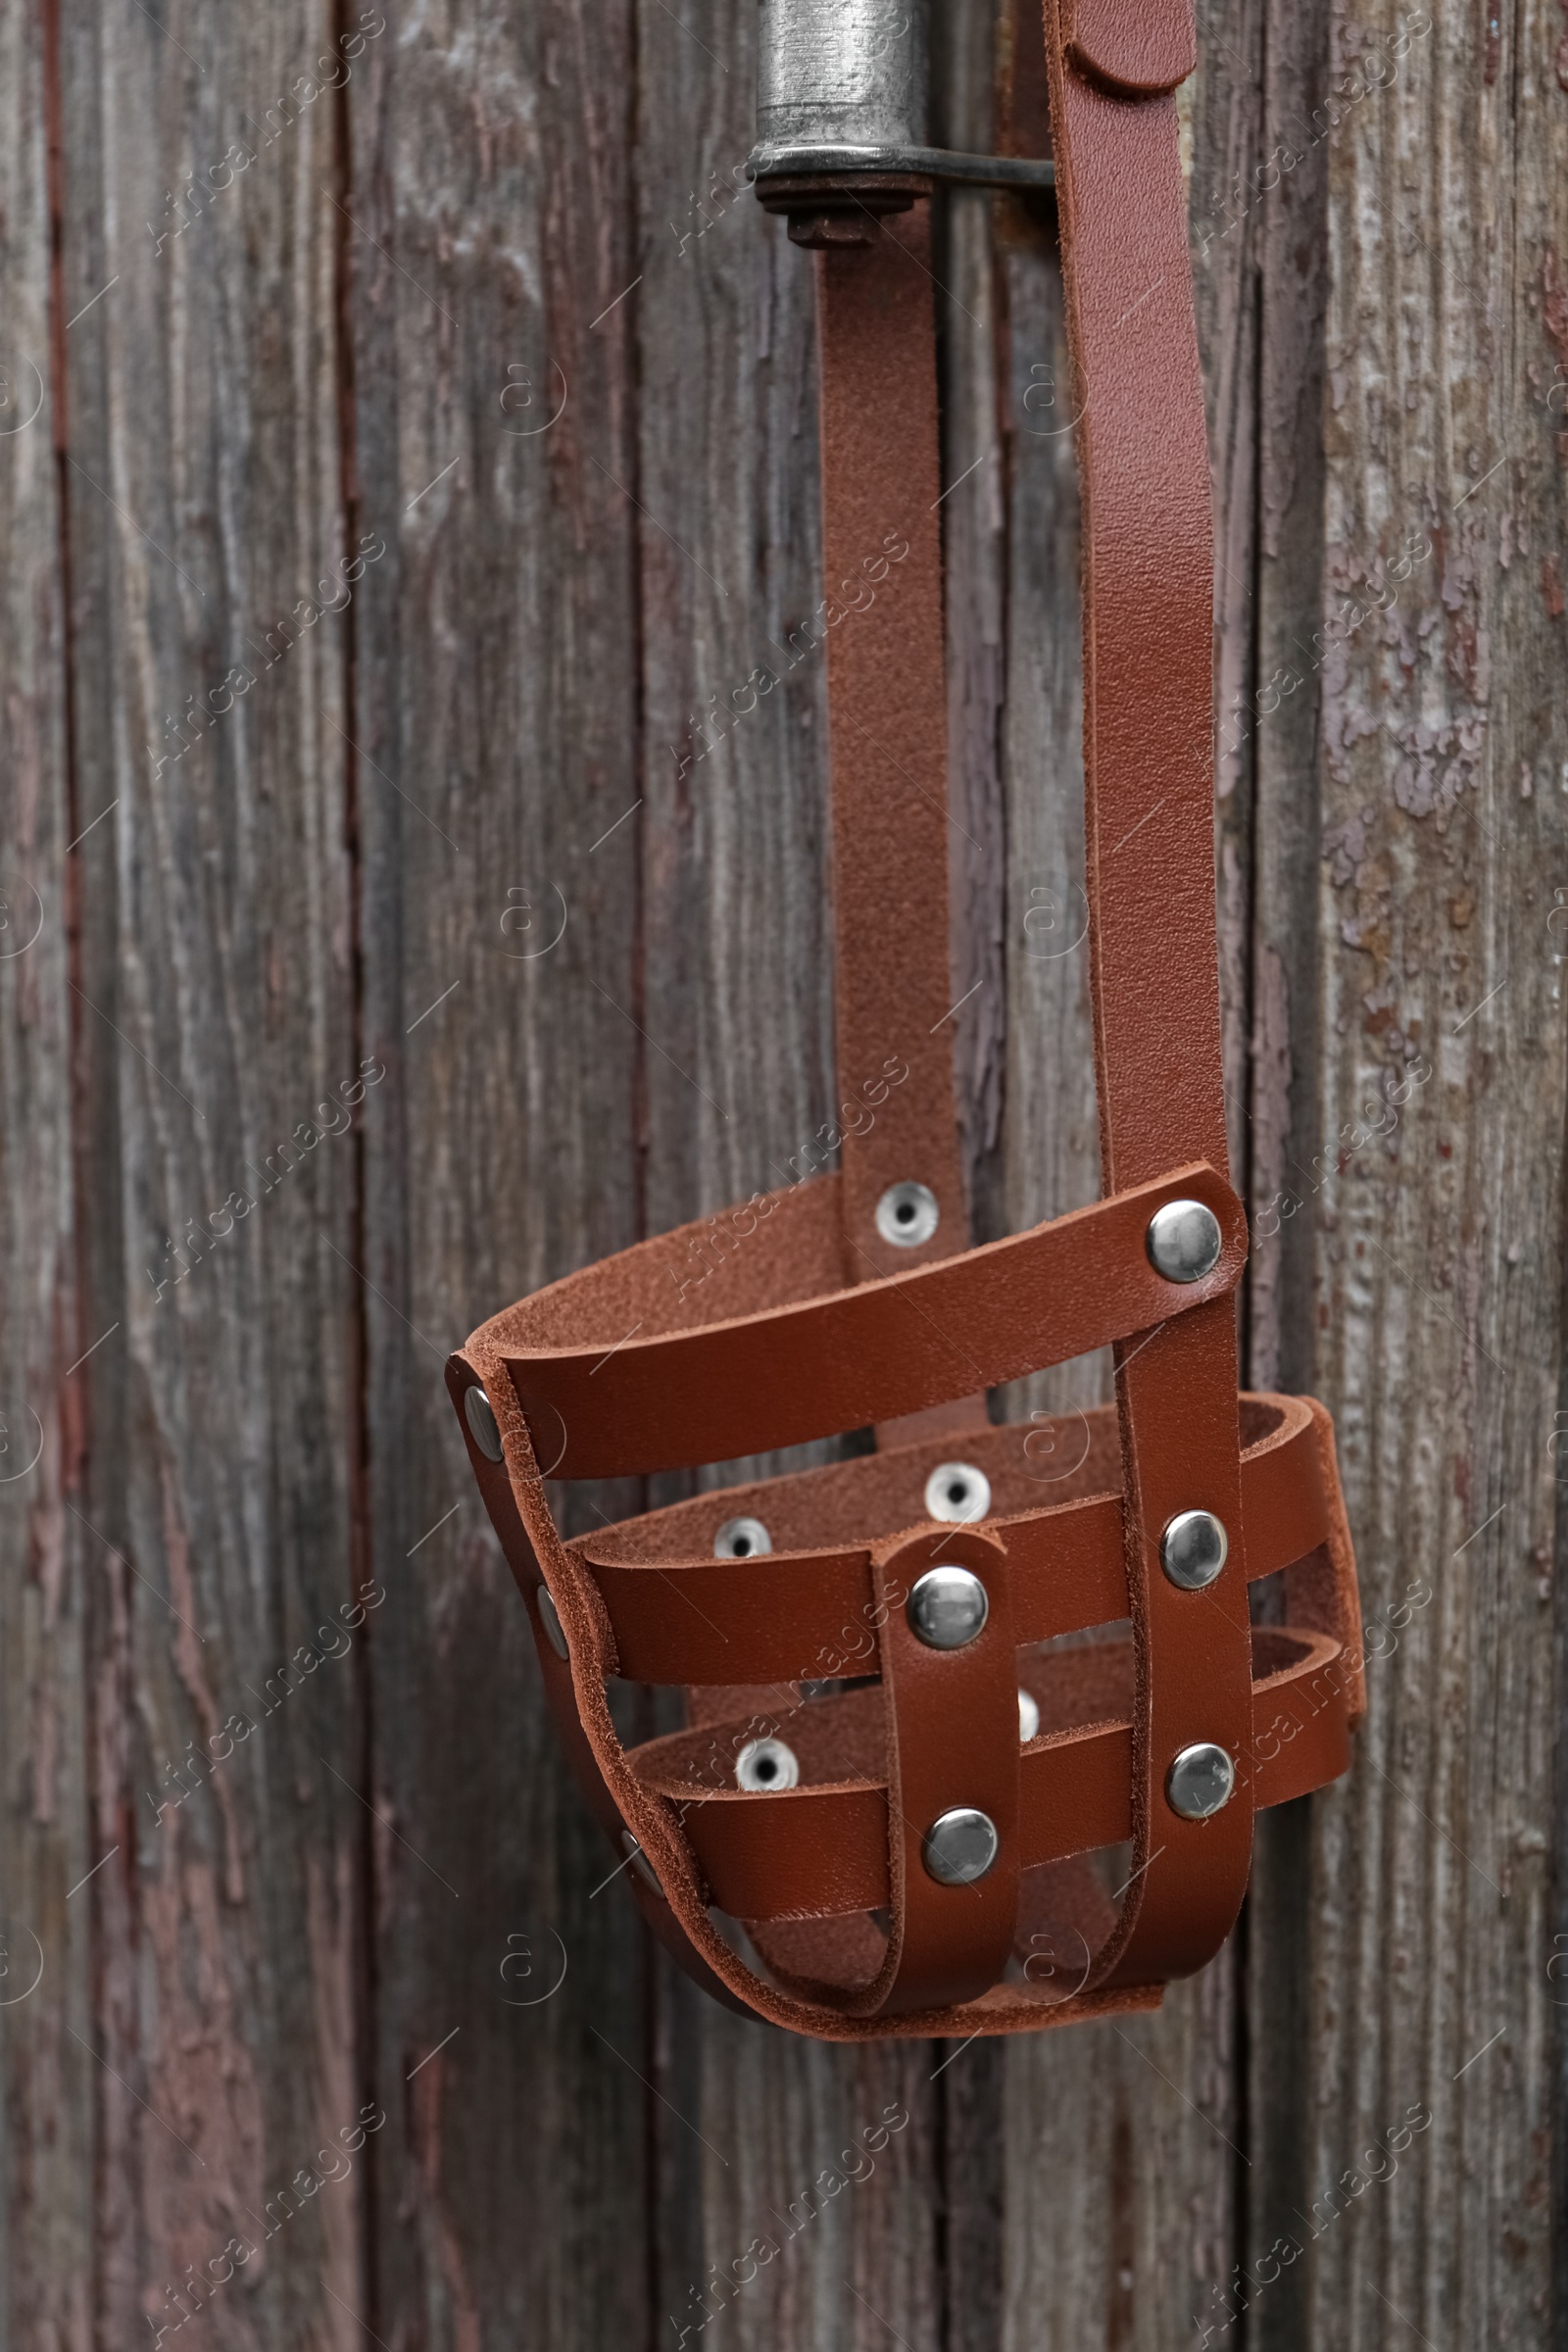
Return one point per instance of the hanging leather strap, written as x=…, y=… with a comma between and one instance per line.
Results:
x=888, y=728
x=1148, y=764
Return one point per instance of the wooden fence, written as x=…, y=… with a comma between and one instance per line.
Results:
x=407, y=430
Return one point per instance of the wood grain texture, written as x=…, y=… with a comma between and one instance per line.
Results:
x=534, y=826
x=46, y=2152
x=496, y=720
x=215, y=1024
x=1437, y=1244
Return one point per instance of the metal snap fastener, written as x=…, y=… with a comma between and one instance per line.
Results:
x=948, y=1608
x=640, y=1863
x=957, y=1492
x=1184, y=1241
x=1028, y=1717
x=961, y=1846
x=907, y=1213
x=742, y=1540
x=550, y=1619
x=479, y=1413
x=767, y=1764
x=1201, y=1780
x=1192, y=1549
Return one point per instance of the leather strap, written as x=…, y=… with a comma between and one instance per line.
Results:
x=1135, y=48
x=824, y=1848
x=887, y=717
x=627, y=1401
x=950, y=1726
x=812, y=1614
x=1147, y=735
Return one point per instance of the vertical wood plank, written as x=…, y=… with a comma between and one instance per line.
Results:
x=204, y=496
x=496, y=726
x=215, y=1028
x=1436, y=1242
x=1276, y=733
x=46, y=2205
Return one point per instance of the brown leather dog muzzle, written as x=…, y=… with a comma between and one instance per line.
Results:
x=975, y=1724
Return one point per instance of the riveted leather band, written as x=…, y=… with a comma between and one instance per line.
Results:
x=826, y=1899
x=1148, y=747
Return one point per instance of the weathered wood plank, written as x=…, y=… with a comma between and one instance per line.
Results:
x=1437, y=1243
x=214, y=1209
x=497, y=731
x=46, y=2139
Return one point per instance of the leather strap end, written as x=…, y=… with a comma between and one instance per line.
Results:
x=1136, y=48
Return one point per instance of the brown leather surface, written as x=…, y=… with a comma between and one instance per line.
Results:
x=1138, y=48
x=1149, y=805
x=950, y=1723
x=810, y=1906
x=888, y=730
x=798, y=1615
x=627, y=1404
x=823, y=1847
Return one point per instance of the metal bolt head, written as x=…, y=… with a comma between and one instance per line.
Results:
x=742, y=1540
x=1192, y=1549
x=957, y=1492
x=1028, y=1716
x=948, y=1608
x=764, y=1764
x=1184, y=1241
x=1200, y=1780
x=961, y=1846
x=479, y=1413
x=550, y=1619
x=908, y=1214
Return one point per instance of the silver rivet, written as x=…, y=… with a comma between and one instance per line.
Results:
x=1028, y=1717
x=742, y=1540
x=1199, y=1782
x=948, y=1608
x=550, y=1619
x=1184, y=1241
x=479, y=1413
x=957, y=1492
x=767, y=1764
x=961, y=1846
x=1194, y=1549
x=907, y=1213
x=640, y=1863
